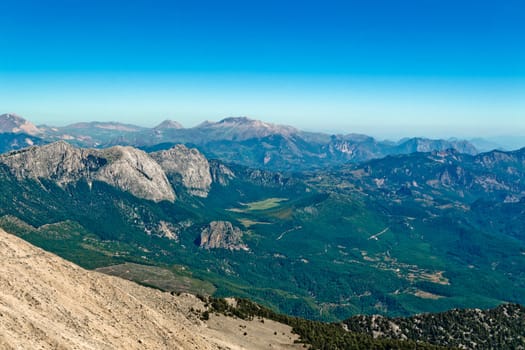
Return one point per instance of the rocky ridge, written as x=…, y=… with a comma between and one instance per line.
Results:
x=188, y=164
x=126, y=168
x=150, y=176
x=494, y=174
x=244, y=141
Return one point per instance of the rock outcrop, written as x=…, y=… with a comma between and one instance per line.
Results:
x=222, y=234
x=134, y=171
x=220, y=173
x=126, y=168
x=190, y=165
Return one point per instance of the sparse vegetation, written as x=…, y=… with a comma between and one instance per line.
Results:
x=314, y=334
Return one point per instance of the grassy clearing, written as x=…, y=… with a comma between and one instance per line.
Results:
x=264, y=204
x=248, y=223
x=160, y=278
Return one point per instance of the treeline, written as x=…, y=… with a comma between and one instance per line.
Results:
x=314, y=334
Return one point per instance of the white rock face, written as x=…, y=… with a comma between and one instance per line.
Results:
x=59, y=161
x=222, y=234
x=126, y=168
x=188, y=163
x=134, y=171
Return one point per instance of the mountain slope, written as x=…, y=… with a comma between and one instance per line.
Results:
x=499, y=328
x=12, y=123
x=47, y=302
x=14, y=141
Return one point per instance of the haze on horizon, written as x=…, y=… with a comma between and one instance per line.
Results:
x=387, y=69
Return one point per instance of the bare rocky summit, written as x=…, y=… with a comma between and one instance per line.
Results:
x=222, y=234
x=12, y=123
x=190, y=165
x=243, y=128
x=169, y=124
x=126, y=168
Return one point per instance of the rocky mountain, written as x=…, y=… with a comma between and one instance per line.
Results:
x=282, y=148
x=126, y=168
x=418, y=144
x=12, y=123
x=243, y=128
x=499, y=328
x=222, y=234
x=89, y=134
x=188, y=166
x=102, y=126
x=168, y=124
x=495, y=175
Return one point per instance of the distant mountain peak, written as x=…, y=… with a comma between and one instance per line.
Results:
x=243, y=128
x=169, y=124
x=421, y=144
x=117, y=126
x=14, y=123
x=238, y=120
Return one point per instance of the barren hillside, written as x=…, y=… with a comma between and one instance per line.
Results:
x=49, y=303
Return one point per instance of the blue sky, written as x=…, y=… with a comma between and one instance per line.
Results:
x=386, y=68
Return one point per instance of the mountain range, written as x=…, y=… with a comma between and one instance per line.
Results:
x=241, y=140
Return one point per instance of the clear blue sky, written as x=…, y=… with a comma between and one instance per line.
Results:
x=387, y=68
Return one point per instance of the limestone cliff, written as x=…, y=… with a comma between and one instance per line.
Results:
x=190, y=165
x=126, y=168
x=134, y=171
